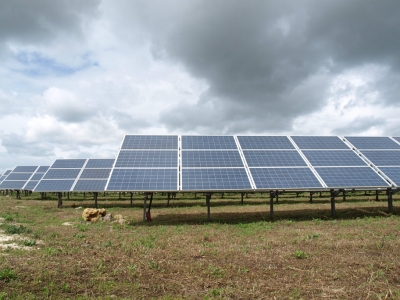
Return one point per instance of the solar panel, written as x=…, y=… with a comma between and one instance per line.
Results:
x=2, y=178
x=62, y=173
x=206, y=158
x=90, y=185
x=351, y=177
x=18, y=176
x=100, y=163
x=95, y=174
x=273, y=158
x=333, y=158
x=150, y=142
x=265, y=142
x=393, y=173
x=37, y=176
x=68, y=164
x=42, y=169
x=284, y=178
x=31, y=185
x=383, y=157
x=372, y=142
x=208, y=142
x=7, y=172
x=319, y=142
x=52, y=185
x=143, y=180
x=215, y=179
x=147, y=159
x=25, y=169
x=12, y=184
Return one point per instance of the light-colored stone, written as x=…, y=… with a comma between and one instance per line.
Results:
x=67, y=224
x=108, y=217
x=93, y=215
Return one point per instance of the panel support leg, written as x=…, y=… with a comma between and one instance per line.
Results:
x=271, y=205
x=376, y=195
x=169, y=198
x=144, y=206
x=208, y=197
x=131, y=199
x=333, y=210
x=277, y=196
x=148, y=214
x=59, y=199
x=390, y=200
x=344, y=195
x=95, y=194
x=242, y=194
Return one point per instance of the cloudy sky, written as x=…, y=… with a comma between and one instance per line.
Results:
x=75, y=76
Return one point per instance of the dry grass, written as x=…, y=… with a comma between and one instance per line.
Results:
x=240, y=254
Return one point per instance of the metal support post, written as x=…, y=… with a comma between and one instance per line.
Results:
x=144, y=206
x=242, y=194
x=131, y=198
x=59, y=199
x=390, y=200
x=95, y=199
x=376, y=195
x=208, y=197
x=333, y=210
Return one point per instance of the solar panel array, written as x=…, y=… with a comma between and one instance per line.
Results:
x=146, y=163
x=86, y=175
x=382, y=152
x=278, y=165
x=223, y=163
x=19, y=178
x=212, y=163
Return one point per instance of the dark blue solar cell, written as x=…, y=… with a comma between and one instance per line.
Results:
x=150, y=142
x=284, y=178
x=143, y=180
x=215, y=179
x=393, y=173
x=2, y=178
x=208, y=142
x=25, y=169
x=18, y=176
x=372, y=142
x=99, y=163
x=319, y=142
x=31, y=185
x=84, y=185
x=95, y=173
x=147, y=159
x=333, y=158
x=7, y=172
x=383, y=157
x=42, y=169
x=54, y=185
x=273, y=158
x=12, y=184
x=62, y=174
x=68, y=163
x=265, y=142
x=350, y=177
x=215, y=159
x=37, y=176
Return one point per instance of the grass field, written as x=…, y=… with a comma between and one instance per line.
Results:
x=241, y=254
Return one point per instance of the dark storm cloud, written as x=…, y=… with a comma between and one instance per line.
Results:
x=35, y=22
x=269, y=60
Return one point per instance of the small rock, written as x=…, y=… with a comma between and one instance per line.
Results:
x=67, y=224
x=108, y=217
x=80, y=207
